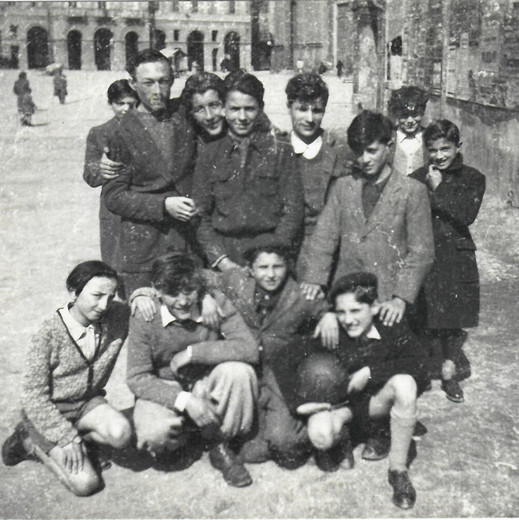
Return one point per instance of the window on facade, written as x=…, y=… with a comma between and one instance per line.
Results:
x=232, y=6
x=194, y=6
x=72, y=4
x=176, y=35
x=214, y=35
x=101, y=5
x=174, y=6
x=13, y=29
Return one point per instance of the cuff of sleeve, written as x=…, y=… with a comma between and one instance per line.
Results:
x=142, y=291
x=67, y=439
x=181, y=401
x=218, y=260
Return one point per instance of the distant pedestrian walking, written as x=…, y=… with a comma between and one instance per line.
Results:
x=21, y=85
x=60, y=86
x=26, y=107
x=340, y=68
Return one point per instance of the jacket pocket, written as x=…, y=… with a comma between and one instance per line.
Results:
x=466, y=264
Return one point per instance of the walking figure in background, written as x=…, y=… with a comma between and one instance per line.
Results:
x=21, y=85
x=27, y=108
x=340, y=68
x=60, y=86
x=449, y=300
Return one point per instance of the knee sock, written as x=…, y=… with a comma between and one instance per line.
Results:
x=402, y=427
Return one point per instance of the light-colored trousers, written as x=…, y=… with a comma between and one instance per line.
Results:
x=232, y=390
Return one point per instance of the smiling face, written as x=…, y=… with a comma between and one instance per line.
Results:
x=180, y=305
x=152, y=82
x=269, y=270
x=374, y=157
x=241, y=112
x=442, y=153
x=93, y=301
x=410, y=123
x=354, y=317
x=123, y=105
x=208, y=112
x=307, y=118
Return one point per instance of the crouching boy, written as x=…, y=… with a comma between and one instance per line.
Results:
x=387, y=370
x=185, y=373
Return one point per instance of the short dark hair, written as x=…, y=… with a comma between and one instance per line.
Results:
x=367, y=128
x=175, y=272
x=146, y=56
x=407, y=99
x=245, y=83
x=362, y=284
x=120, y=89
x=200, y=84
x=442, y=128
x=85, y=271
x=307, y=87
x=250, y=255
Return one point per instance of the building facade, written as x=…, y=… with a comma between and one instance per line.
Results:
x=104, y=35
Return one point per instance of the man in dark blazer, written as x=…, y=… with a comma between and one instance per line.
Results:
x=156, y=145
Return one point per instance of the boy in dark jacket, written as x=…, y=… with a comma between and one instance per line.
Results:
x=449, y=301
x=387, y=370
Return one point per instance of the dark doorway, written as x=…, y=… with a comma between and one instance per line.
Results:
x=195, y=50
x=14, y=60
x=132, y=45
x=74, y=50
x=159, y=40
x=102, y=46
x=215, y=60
x=37, y=48
x=232, y=48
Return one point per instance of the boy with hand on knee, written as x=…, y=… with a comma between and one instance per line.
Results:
x=386, y=368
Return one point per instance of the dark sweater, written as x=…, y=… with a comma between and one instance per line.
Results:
x=397, y=352
x=151, y=346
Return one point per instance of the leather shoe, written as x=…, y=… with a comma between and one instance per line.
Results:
x=13, y=448
x=404, y=494
x=452, y=390
x=234, y=472
x=377, y=448
x=339, y=455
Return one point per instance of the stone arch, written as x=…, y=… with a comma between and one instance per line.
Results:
x=37, y=48
x=102, y=48
x=74, y=49
x=195, y=49
x=232, y=48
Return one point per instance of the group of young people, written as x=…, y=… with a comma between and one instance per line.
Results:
x=272, y=278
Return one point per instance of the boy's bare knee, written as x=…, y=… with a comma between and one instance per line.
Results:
x=320, y=431
x=120, y=433
x=405, y=388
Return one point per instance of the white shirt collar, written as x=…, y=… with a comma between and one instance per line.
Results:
x=402, y=136
x=77, y=331
x=373, y=333
x=309, y=151
x=168, y=318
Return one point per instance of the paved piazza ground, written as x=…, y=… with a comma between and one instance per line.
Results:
x=467, y=465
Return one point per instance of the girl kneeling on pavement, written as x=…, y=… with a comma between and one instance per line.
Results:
x=64, y=412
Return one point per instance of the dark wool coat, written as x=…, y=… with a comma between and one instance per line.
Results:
x=109, y=223
x=138, y=194
x=451, y=290
x=245, y=203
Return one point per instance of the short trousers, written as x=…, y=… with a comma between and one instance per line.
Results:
x=72, y=411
